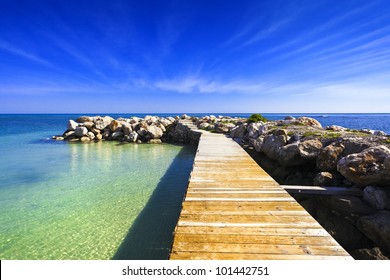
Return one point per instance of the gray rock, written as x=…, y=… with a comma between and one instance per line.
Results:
x=72, y=125
x=90, y=135
x=253, y=129
x=379, y=133
x=155, y=132
x=347, y=205
x=88, y=125
x=335, y=128
x=289, y=118
x=289, y=155
x=375, y=197
x=102, y=122
x=204, y=125
x=165, y=122
x=224, y=127
x=80, y=131
x=238, y=131
x=370, y=167
x=377, y=228
x=309, y=149
x=68, y=134
x=117, y=135
x=323, y=179
x=142, y=132
x=257, y=143
x=329, y=156
x=308, y=122
x=150, y=120
x=133, y=136
x=84, y=119
x=106, y=133
x=272, y=145
x=126, y=128
x=368, y=254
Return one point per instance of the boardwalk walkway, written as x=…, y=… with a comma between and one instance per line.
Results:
x=234, y=210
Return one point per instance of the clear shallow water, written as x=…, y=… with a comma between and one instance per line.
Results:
x=86, y=201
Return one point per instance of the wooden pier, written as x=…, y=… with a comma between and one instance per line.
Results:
x=234, y=210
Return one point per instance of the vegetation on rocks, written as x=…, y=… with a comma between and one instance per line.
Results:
x=254, y=118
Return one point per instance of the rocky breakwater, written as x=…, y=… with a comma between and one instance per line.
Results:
x=299, y=151
x=150, y=129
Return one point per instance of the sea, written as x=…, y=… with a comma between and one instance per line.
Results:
x=103, y=200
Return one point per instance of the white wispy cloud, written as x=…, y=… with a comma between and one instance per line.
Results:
x=10, y=48
x=201, y=85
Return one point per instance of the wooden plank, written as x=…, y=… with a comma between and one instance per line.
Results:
x=258, y=231
x=261, y=249
x=236, y=256
x=255, y=239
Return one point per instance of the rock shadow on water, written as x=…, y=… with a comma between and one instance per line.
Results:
x=150, y=237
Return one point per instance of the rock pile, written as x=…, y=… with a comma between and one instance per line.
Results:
x=150, y=129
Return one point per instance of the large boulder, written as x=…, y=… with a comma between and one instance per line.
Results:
x=80, y=131
x=204, y=125
x=257, y=143
x=375, y=197
x=329, y=156
x=273, y=143
x=126, y=128
x=289, y=155
x=117, y=135
x=150, y=120
x=370, y=167
x=102, y=122
x=72, y=125
x=88, y=125
x=253, y=129
x=165, y=122
x=155, y=132
x=114, y=125
x=377, y=228
x=224, y=127
x=308, y=122
x=309, y=149
x=238, y=131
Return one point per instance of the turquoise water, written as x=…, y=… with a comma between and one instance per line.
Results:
x=86, y=201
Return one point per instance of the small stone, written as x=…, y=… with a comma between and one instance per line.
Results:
x=323, y=179
x=155, y=141
x=85, y=139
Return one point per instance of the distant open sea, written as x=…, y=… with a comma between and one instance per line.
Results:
x=103, y=200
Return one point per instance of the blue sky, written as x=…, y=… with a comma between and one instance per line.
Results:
x=194, y=56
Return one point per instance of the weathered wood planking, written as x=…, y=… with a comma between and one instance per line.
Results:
x=234, y=210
